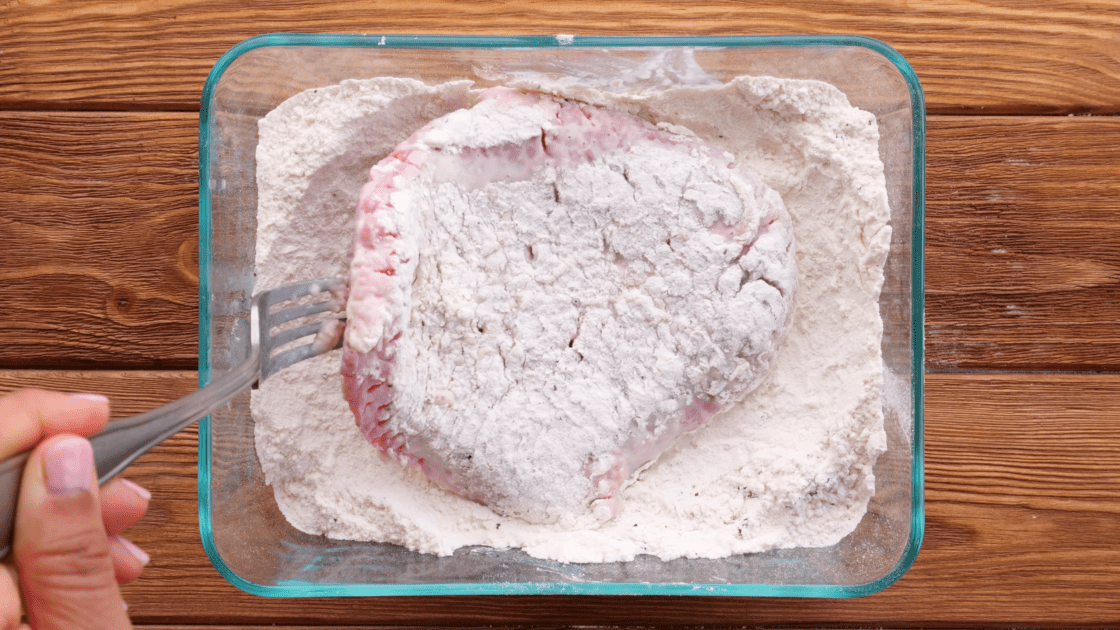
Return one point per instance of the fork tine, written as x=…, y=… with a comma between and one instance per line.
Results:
x=286, y=336
x=264, y=320
x=295, y=312
x=295, y=355
x=300, y=289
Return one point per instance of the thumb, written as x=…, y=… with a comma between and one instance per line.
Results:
x=62, y=551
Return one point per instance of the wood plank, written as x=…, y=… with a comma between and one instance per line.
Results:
x=1022, y=267
x=1022, y=497
x=1023, y=218
x=972, y=56
x=99, y=221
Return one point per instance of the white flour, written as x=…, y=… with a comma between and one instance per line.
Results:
x=791, y=466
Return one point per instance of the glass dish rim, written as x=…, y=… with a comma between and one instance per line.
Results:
x=303, y=589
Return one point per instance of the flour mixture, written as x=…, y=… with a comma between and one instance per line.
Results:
x=789, y=466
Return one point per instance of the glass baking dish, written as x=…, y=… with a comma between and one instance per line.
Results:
x=243, y=531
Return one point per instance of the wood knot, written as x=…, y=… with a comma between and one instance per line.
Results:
x=186, y=262
x=121, y=301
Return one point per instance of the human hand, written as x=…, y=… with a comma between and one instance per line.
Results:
x=68, y=556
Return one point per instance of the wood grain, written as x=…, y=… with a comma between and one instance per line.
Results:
x=1022, y=497
x=1022, y=263
x=99, y=265
x=1009, y=56
x=99, y=225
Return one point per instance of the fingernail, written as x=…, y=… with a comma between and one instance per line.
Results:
x=138, y=489
x=136, y=552
x=69, y=466
x=124, y=604
x=93, y=397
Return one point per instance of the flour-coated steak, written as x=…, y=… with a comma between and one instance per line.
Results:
x=545, y=294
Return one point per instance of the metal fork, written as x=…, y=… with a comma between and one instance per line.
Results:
x=122, y=441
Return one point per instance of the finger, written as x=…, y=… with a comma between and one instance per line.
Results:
x=28, y=415
x=122, y=504
x=10, y=609
x=128, y=559
x=63, y=555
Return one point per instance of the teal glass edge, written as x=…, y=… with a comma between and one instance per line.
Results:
x=306, y=589
x=204, y=231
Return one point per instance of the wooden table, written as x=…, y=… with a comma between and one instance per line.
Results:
x=98, y=277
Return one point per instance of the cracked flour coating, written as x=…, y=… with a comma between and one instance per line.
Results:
x=789, y=466
x=540, y=307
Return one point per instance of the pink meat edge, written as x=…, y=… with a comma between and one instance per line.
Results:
x=368, y=377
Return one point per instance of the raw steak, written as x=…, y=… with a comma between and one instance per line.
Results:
x=544, y=295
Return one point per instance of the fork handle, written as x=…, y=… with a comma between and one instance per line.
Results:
x=122, y=441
